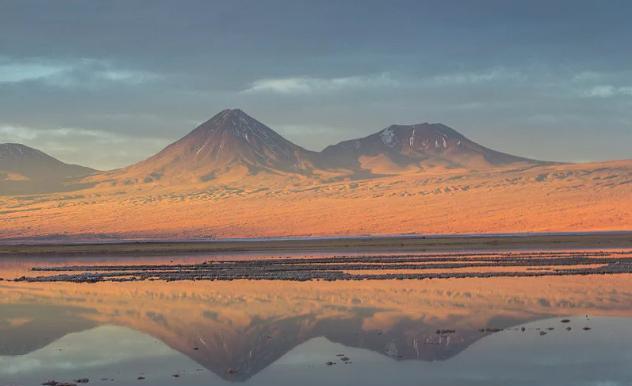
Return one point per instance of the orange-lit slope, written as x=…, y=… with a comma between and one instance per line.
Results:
x=578, y=197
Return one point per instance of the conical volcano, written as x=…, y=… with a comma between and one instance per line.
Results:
x=230, y=144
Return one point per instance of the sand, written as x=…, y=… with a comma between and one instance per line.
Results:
x=559, y=198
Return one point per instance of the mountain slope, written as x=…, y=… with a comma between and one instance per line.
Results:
x=547, y=198
x=420, y=146
x=231, y=145
x=27, y=170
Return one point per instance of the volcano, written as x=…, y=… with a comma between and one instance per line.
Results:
x=230, y=145
x=234, y=147
x=418, y=146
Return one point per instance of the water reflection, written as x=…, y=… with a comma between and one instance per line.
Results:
x=283, y=332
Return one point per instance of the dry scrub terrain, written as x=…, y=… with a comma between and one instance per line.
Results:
x=577, y=197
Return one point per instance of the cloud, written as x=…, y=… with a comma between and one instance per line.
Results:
x=80, y=353
x=13, y=133
x=308, y=85
x=20, y=72
x=98, y=148
x=71, y=73
x=19, y=133
x=607, y=91
x=465, y=78
x=595, y=84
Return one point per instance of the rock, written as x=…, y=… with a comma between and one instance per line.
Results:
x=55, y=383
x=542, y=333
x=328, y=270
x=140, y=378
x=82, y=380
x=565, y=321
x=330, y=363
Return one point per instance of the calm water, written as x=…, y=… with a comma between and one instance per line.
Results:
x=285, y=333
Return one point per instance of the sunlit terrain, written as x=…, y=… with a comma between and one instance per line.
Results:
x=552, y=198
x=315, y=193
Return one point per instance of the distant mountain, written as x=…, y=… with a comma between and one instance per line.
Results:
x=231, y=144
x=27, y=170
x=421, y=146
x=232, y=147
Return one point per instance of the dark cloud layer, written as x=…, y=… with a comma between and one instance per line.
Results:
x=546, y=79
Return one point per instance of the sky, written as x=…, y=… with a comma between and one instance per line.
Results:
x=108, y=83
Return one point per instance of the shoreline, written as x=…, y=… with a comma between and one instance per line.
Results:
x=400, y=243
x=375, y=267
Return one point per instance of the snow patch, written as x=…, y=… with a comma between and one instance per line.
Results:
x=388, y=137
x=201, y=148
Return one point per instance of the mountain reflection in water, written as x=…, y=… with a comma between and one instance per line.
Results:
x=286, y=332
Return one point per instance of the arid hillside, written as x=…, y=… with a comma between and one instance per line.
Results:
x=233, y=176
x=527, y=198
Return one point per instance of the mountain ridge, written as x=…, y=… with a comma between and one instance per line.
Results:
x=422, y=145
x=234, y=147
x=24, y=169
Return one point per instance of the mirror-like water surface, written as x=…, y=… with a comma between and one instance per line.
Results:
x=572, y=330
